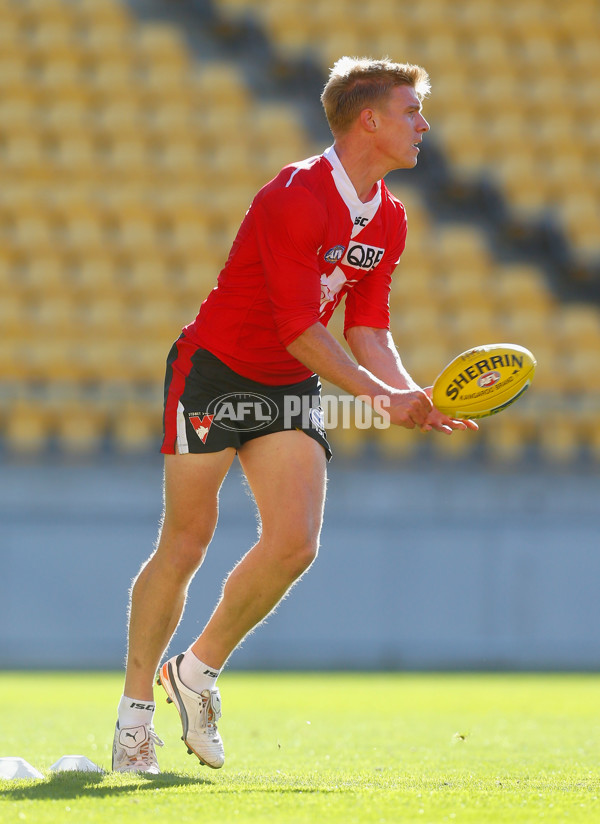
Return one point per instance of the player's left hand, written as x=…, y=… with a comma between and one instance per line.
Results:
x=442, y=423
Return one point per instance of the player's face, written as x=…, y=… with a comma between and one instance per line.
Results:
x=401, y=127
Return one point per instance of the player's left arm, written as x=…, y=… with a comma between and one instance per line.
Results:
x=375, y=350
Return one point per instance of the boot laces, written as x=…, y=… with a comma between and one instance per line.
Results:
x=146, y=753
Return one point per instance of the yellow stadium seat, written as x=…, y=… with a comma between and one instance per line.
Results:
x=101, y=356
x=107, y=12
x=57, y=53
x=413, y=287
x=220, y=83
x=551, y=375
x=36, y=10
x=76, y=153
x=31, y=229
x=152, y=278
x=463, y=247
x=236, y=8
x=582, y=371
x=559, y=438
x=44, y=274
x=120, y=115
x=233, y=163
x=94, y=273
x=506, y=437
x=426, y=359
x=521, y=177
x=19, y=110
x=459, y=445
x=27, y=428
x=521, y=286
x=79, y=428
x=531, y=18
x=146, y=363
x=14, y=315
x=67, y=113
x=195, y=278
x=112, y=71
x=135, y=428
x=154, y=315
x=130, y=155
x=106, y=315
x=186, y=230
x=578, y=326
x=181, y=156
x=25, y=154
x=441, y=49
x=171, y=120
x=288, y=26
x=579, y=214
x=83, y=229
x=473, y=325
x=346, y=442
x=396, y=442
x=587, y=418
x=578, y=19
x=331, y=46
x=134, y=228
x=492, y=50
x=506, y=138
x=157, y=41
x=415, y=321
x=11, y=26
x=162, y=77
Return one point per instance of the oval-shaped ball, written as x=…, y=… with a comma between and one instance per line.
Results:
x=483, y=380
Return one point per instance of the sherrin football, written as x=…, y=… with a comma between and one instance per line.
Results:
x=483, y=380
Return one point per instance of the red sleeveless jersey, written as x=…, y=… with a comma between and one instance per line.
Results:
x=306, y=242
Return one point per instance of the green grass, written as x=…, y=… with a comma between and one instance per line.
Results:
x=320, y=749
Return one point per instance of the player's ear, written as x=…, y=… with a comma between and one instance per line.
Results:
x=368, y=120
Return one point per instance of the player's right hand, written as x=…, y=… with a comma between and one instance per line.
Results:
x=409, y=408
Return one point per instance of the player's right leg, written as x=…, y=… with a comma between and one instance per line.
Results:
x=192, y=485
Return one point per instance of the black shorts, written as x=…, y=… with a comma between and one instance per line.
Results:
x=209, y=407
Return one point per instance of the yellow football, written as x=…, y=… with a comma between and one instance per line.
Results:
x=483, y=380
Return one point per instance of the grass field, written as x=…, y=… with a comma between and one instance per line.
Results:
x=319, y=748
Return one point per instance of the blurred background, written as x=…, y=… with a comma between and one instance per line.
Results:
x=133, y=136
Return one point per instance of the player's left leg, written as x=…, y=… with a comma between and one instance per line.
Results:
x=286, y=472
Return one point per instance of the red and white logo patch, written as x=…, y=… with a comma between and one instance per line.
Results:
x=201, y=425
x=488, y=378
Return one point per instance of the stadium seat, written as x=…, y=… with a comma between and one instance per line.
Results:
x=136, y=428
x=396, y=442
x=83, y=228
x=26, y=428
x=79, y=428
x=559, y=439
x=93, y=274
x=505, y=441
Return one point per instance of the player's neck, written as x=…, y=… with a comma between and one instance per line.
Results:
x=358, y=168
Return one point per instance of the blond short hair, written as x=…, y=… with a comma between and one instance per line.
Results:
x=358, y=82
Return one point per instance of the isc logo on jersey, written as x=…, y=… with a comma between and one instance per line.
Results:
x=361, y=256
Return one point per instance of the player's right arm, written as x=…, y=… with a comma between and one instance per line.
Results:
x=290, y=225
x=318, y=350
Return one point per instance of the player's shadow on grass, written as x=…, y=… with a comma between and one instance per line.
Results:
x=71, y=784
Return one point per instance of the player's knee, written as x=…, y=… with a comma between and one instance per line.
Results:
x=300, y=556
x=185, y=549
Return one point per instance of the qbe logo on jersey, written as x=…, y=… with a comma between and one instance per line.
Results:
x=361, y=256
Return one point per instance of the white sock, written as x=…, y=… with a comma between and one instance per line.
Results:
x=133, y=712
x=195, y=674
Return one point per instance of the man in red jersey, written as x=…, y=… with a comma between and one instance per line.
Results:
x=243, y=379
